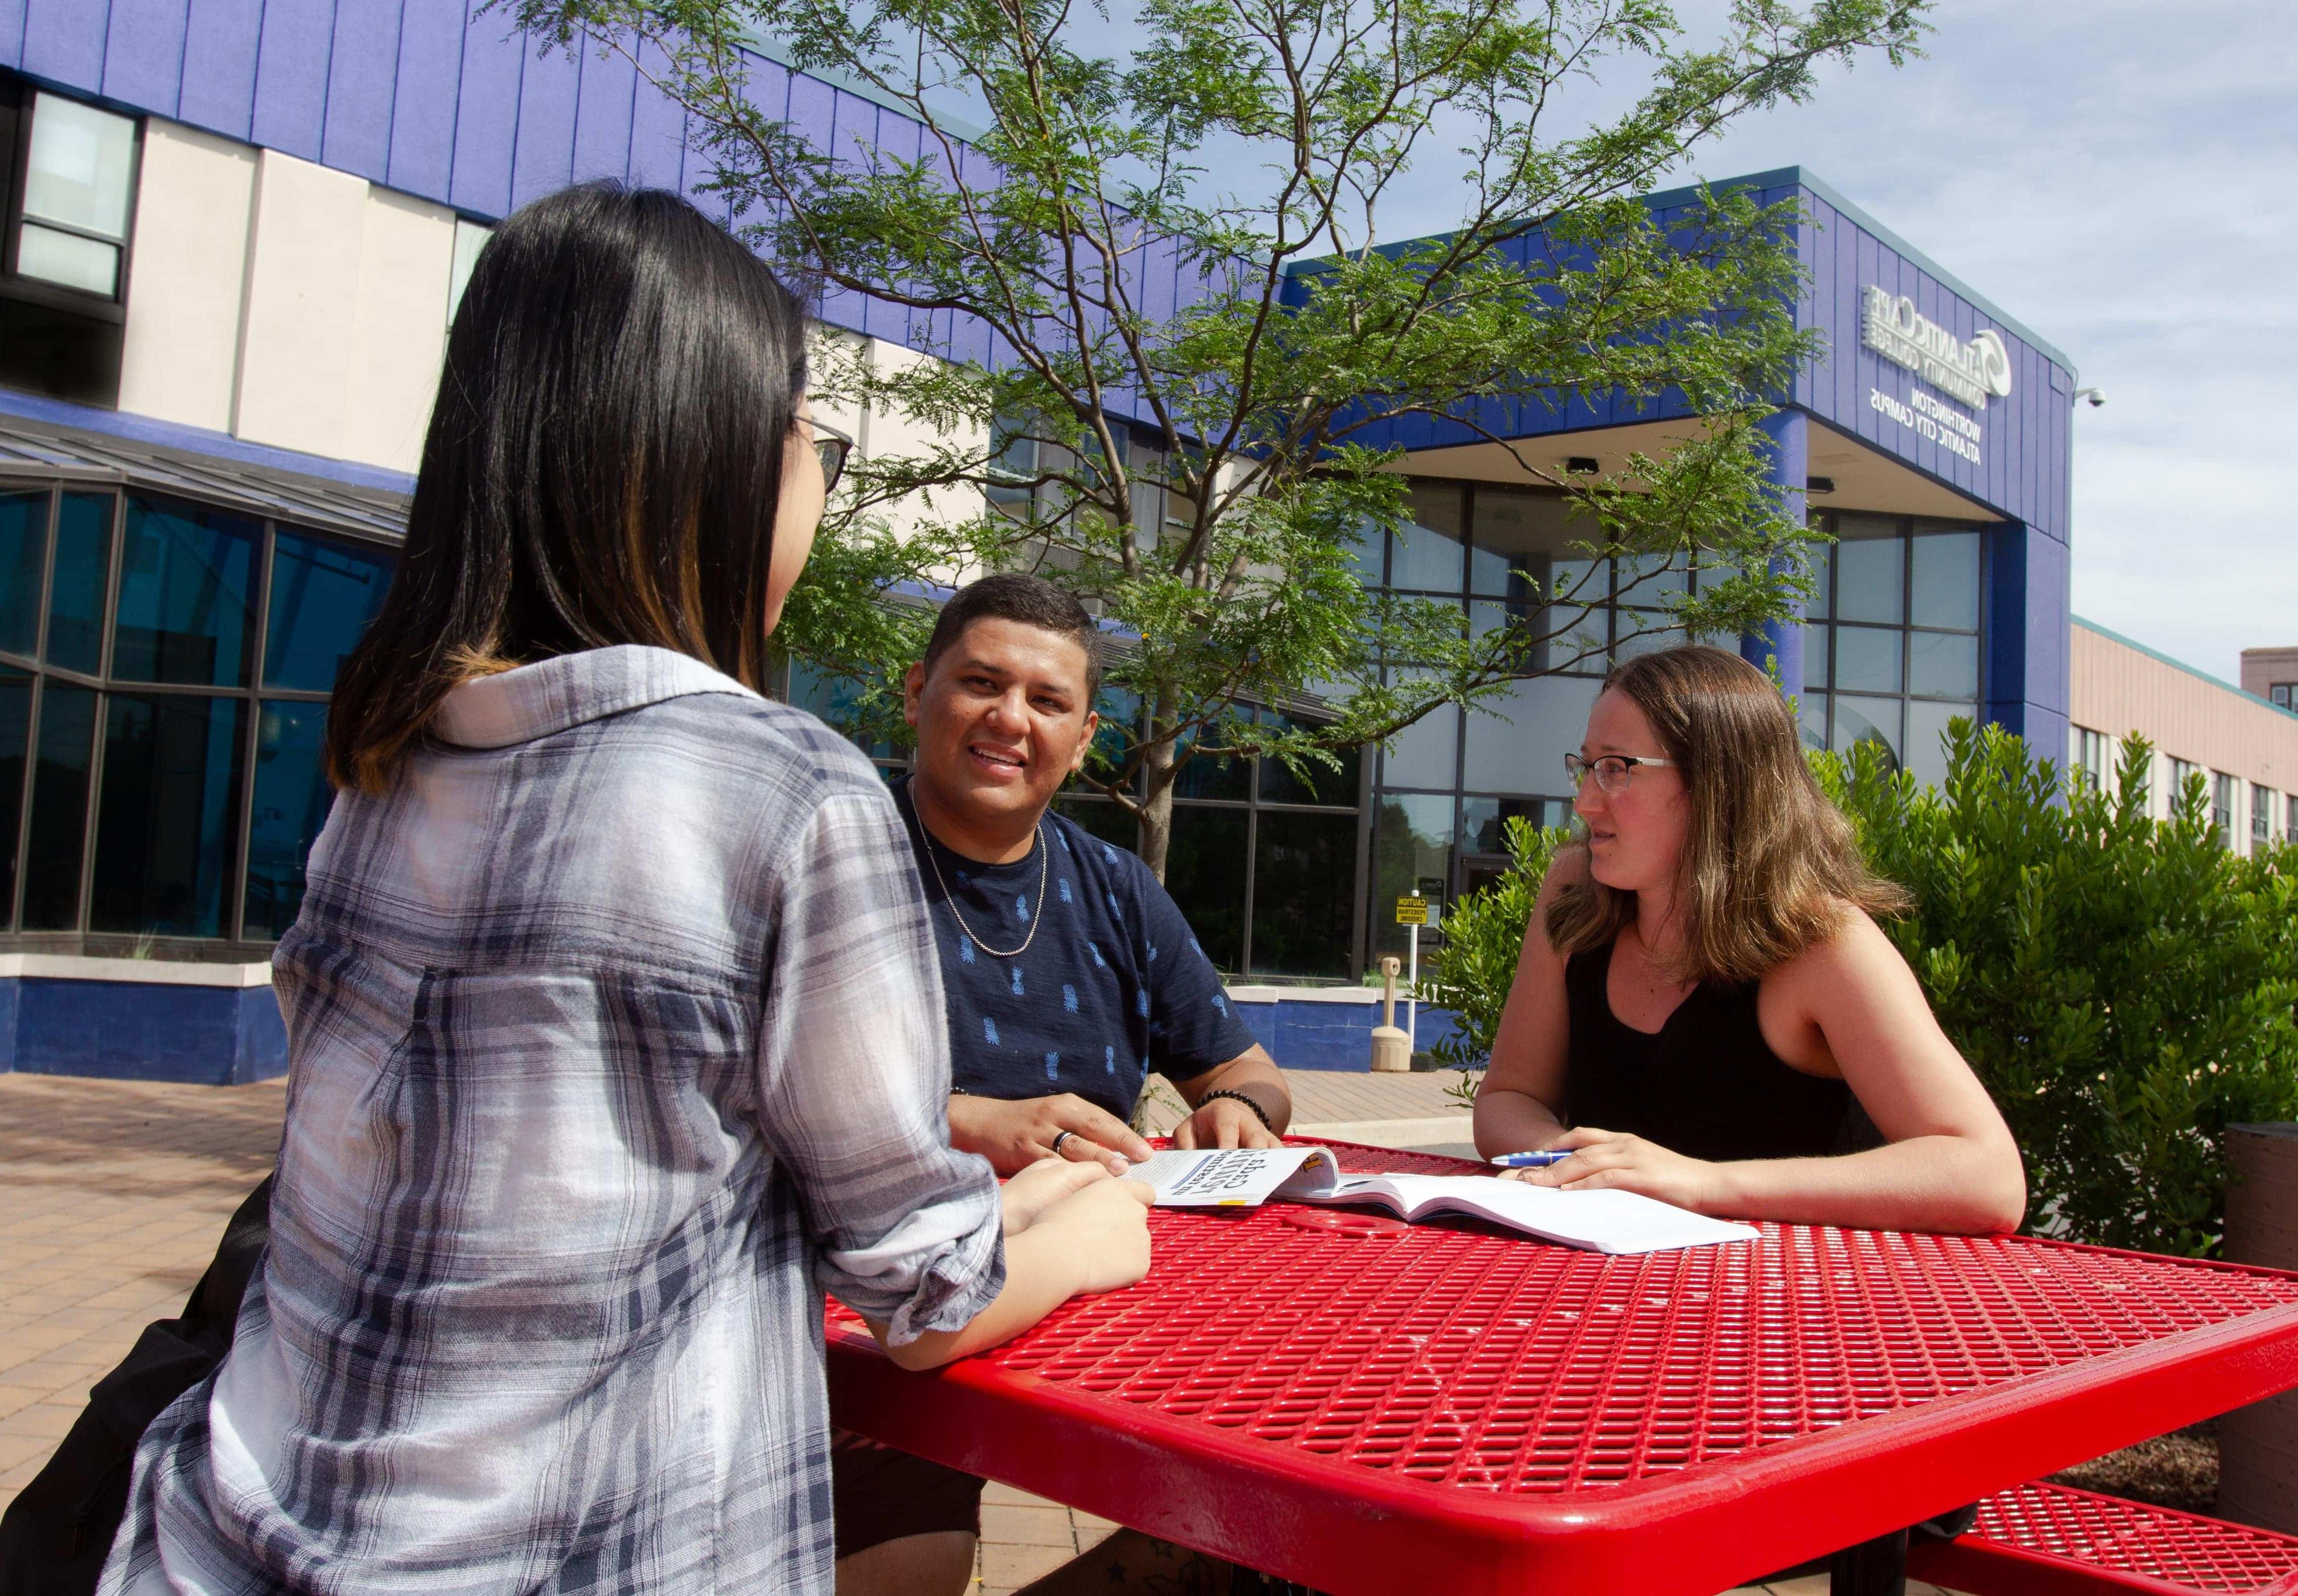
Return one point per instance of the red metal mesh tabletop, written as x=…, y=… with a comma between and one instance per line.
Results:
x=2039, y=1526
x=1440, y=1371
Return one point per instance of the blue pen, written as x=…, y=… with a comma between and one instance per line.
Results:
x=1530, y=1161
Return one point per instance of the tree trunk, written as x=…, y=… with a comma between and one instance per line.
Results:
x=1157, y=777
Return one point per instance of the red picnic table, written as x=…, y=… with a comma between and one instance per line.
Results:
x=1366, y=1407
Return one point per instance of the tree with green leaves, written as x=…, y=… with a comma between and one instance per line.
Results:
x=1206, y=470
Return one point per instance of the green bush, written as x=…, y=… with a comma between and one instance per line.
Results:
x=2124, y=986
x=1484, y=932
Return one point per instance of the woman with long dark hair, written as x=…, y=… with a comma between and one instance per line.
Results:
x=1705, y=998
x=616, y=1028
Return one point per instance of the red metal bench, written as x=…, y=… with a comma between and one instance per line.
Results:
x=2040, y=1539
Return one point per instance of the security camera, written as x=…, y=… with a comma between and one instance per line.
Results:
x=2093, y=395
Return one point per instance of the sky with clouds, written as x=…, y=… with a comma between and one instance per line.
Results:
x=2122, y=178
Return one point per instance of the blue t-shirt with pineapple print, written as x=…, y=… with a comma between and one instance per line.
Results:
x=1111, y=986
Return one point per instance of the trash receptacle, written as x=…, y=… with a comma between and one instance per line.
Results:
x=2258, y=1446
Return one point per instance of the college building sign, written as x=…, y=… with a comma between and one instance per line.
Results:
x=1970, y=372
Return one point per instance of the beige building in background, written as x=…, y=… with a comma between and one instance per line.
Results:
x=2244, y=747
x=2272, y=674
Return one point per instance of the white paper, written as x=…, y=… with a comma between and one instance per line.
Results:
x=1232, y=1178
x=1601, y=1222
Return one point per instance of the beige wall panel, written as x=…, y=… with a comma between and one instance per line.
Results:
x=2117, y=689
x=400, y=337
x=895, y=433
x=186, y=275
x=299, y=330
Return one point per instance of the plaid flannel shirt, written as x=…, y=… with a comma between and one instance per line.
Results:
x=616, y=1036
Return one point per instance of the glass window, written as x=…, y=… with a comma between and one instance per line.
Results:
x=1867, y=658
x=76, y=584
x=1412, y=847
x=291, y=798
x=1424, y=754
x=1870, y=570
x=1100, y=817
x=1484, y=821
x=1304, y=876
x=1649, y=579
x=323, y=595
x=23, y=549
x=1206, y=777
x=186, y=580
x=1814, y=654
x=837, y=700
x=1517, y=538
x=1823, y=578
x=68, y=260
x=1927, y=728
x=79, y=173
x=1539, y=719
x=1279, y=785
x=470, y=238
x=81, y=167
x=15, y=729
x=59, y=828
x=1946, y=579
x=1811, y=718
x=164, y=819
x=2290, y=817
x=2261, y=813
x=2281, y=693
x=1205, y=862
x=1942, y=664
x=1643, y=632
x=1426, y=551
x=1868, y=720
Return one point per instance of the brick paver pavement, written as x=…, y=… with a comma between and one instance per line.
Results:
x=113, y=1194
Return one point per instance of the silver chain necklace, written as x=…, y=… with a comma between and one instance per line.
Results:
x=1044, y=861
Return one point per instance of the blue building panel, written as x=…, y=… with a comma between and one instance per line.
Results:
x=132, y=1031
x=295, y=45
x=144, y=53
x=605, y=99
x=362, y=83
x=217, y=86
x=542, y=138
x=486, y=121
x=429, y=79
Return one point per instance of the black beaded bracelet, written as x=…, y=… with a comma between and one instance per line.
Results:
x=1259, y=1112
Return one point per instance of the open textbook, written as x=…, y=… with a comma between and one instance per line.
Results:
x=1602, y=1221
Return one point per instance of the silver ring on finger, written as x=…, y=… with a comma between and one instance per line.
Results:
x=1058, y=1138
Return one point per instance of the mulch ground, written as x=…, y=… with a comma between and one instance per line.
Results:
x=2178, y=1471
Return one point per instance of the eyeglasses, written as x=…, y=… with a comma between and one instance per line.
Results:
x=1611, y=771
x=830, y=447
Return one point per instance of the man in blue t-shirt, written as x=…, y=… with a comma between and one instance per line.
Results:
x=1069, y=975
x=1070, y=972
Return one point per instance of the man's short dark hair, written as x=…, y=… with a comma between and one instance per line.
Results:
x=1028, y=601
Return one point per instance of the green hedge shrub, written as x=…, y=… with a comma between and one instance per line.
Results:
x=2124, y=986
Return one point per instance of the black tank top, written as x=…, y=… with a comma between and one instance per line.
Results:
x=1706, y=1084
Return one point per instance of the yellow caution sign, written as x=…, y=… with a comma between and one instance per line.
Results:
x=1413, y=911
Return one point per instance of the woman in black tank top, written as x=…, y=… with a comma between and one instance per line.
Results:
x=1705, y=1011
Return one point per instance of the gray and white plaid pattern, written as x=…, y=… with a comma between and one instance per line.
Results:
x=616, y=1036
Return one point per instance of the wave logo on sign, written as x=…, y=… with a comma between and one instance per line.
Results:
x=1971, y=371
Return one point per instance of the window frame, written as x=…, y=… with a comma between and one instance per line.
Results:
x=251, y=696
x=17, y=97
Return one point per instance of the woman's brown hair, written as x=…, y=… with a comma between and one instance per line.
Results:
x=1769, y=865
x=602, y=466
